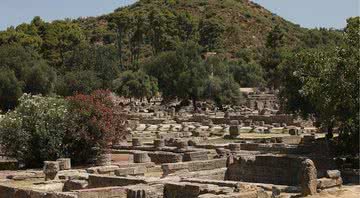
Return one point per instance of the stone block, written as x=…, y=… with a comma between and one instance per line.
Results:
x=141, y=157
x=64, y=163
x=197, y=155
x=234, y=147
x=136, y=142
x=159, y=143
x=70, y=185
x=333, y=174
x=234, y=130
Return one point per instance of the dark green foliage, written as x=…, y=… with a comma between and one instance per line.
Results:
x=39, y=79
x=10, y=89
x=184, y=74
x=102, y=60
x=247, y=74
x=324, y=83
x=82, y=82
x=210, y=31
x=18, y=59
x=135, y=85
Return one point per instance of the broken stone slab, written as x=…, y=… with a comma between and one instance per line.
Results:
x=97, y=181
x=131, y=171
x=325, y=183
x=102, y=169
x=73, y=175
x=333, y=174
x=71, y=185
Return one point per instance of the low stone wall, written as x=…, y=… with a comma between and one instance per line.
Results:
x=98, y=181
x=11, y=192
x=165, y=157
x=9, y=164
x=193, y=166
x=106, y=192
x=282, y=170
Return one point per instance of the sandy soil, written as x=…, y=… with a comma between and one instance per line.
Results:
x=343, y=192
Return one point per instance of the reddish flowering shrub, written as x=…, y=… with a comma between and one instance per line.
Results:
x=93, y=124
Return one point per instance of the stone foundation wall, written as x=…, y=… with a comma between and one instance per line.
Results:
x=282, y=170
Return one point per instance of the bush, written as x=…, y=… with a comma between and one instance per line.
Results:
x=47, y=128
x=34, y=131
x=94, y=124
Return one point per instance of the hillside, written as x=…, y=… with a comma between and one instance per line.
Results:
x=243, y=24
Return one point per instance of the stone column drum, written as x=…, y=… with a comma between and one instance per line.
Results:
x=159, y=143
x=51, y=168
x=141, y=157
x=136, y=142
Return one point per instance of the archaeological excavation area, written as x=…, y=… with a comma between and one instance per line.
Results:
x=213, y=154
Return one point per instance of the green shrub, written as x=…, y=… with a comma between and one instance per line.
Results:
x=47, y=128
x=34, y=131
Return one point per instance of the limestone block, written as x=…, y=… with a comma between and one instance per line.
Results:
x=159, y=143
x=136, y=142
x=234, y=130
x=64, y=163
x=197, y=155
x=234, y=147
x=141, y=157
x=70, y=185
x=325, y=183
x=333, y=174
x=104, y=159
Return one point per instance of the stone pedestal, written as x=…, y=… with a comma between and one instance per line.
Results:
x=64, y=163
x=234, y=131
x=51, y=168
x=181, y=144
x=141, y=157
x=136, y=142
x=234, y=147
x=159, y=143
x=104, y=159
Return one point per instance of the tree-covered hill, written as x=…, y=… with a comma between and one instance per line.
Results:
x=78, y=56
x=224, y=26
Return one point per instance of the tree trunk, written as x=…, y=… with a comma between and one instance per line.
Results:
x=330, y=130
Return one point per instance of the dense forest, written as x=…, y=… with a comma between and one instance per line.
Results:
x=191, y=50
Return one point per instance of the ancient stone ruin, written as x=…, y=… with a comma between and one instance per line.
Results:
x=238, y=153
